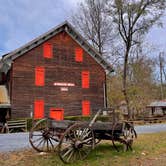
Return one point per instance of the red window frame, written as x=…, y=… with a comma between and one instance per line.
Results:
x=85, y=79
x=38, y=109
x=47, y=50
x=86, y=108
x=57, y=113
x=39, y=76
x=78, y=54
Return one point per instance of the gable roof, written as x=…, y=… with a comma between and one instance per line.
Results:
x=5, y=62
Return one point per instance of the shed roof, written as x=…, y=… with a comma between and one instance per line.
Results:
x=161, y=103
x=4, y=98
x=5, y=62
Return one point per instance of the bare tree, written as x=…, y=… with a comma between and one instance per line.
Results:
x=91, y=20
x=133, y=17
x=161, y=63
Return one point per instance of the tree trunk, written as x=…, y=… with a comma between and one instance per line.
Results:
x=125, y=83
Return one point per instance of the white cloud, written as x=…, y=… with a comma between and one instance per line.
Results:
x=156, y=37
x=23, y=20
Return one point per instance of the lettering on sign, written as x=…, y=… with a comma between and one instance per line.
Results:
x=63, y=84
x=64, y=89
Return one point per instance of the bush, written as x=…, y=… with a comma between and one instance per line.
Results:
x=29, y=123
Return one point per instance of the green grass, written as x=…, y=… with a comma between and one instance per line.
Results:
x=147, y=148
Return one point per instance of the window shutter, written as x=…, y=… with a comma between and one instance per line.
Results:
x=47, y=50
x=85, y=79
x=78, y=54
x=39, y=76
x=85, y=108
x=39, y=109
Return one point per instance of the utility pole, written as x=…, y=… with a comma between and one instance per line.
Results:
x=161, y=73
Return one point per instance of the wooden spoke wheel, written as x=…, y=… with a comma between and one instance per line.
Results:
x=42, y=138
x=126, y=138
x=76, y=143
x=97, y=141
x=129, y=134
x=4, y=128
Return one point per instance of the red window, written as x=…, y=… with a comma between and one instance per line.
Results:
x=85, y=108
x=47, y=50
x=57, y=113
x=39, y=76
x=85, y=79
x=38, y=109
x=78, y=54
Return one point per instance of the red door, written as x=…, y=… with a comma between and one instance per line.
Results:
x=57, y=113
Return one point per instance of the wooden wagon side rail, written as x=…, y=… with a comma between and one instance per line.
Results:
x=17, y=124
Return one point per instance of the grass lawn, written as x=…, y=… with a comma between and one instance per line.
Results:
x=148, y=150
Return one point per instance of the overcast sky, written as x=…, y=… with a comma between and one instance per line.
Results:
x=23, y=20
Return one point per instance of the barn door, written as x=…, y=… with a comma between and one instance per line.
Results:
x=57, y=113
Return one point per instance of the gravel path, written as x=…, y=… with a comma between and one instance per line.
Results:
x=18, y=141
x=153, y=128
x=14, y=141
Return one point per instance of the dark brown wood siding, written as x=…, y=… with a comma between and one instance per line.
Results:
x=61, y=68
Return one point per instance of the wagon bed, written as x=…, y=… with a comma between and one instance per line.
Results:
x=97, y=126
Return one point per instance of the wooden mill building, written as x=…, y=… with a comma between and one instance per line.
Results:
x=56, y=74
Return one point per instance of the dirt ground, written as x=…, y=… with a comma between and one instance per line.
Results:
x=22, y=158
x=149, y=161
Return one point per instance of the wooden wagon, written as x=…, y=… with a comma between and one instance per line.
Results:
x=75, y=140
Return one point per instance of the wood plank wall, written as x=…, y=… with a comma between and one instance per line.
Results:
x=61, y=68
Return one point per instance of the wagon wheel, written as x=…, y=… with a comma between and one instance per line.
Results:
x=97, y=141
x=76, y=143
x=126, y=138
x=4, y=128
x=42, y=138
x=129, y=134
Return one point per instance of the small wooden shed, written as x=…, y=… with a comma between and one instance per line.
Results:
x=157, y=107
x=56, y=74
